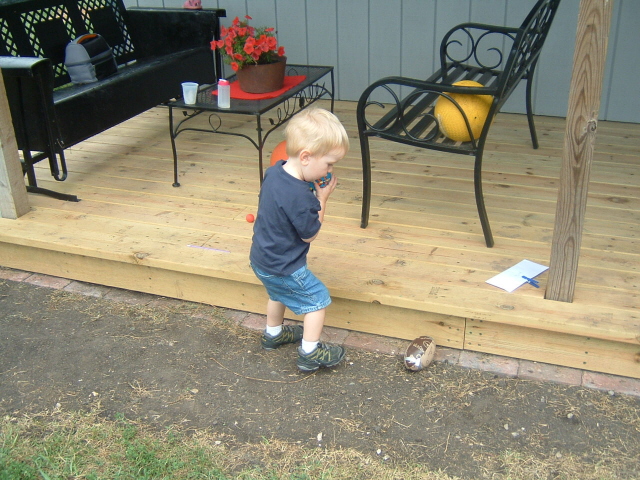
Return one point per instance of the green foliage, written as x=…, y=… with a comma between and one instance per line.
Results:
x=82, y=446
x=64, y=446
x=15, y=470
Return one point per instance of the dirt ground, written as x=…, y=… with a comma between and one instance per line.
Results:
x=188, y=365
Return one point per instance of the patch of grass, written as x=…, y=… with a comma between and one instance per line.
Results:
x=82, y=445
x=65, y=445
x=74, y=445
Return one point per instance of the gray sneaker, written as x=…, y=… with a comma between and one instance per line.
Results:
x=289, y=334
x=323, y=356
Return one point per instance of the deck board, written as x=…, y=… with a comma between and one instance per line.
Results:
x=419, y=268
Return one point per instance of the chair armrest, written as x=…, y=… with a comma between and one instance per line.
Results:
x=23, y=66
x=429, y=85
x=29, y=85
x=160, y=31
x=34, y=75
x=410, y=115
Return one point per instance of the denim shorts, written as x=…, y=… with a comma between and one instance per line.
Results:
x=301, y=292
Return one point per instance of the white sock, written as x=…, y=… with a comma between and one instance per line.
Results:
x=308, y=347
x=273, y=331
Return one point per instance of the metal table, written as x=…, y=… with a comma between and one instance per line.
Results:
x=281, y=109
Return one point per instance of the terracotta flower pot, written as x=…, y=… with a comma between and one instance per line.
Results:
x=262, y=78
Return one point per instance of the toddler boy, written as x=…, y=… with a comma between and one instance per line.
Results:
x=289, y=218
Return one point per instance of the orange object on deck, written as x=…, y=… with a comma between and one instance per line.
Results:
x=279, y=153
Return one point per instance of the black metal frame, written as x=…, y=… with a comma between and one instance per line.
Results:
x=156, y=49
x=282, y=108
x=469, y=51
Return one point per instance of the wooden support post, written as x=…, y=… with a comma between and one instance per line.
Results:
x=594, y=21
x=13, y=193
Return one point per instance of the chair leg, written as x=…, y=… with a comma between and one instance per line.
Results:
x=32, y=187
x=57, y=195
x=482, y=211
x=27, y=168
x=532, y=127
x=366, y=180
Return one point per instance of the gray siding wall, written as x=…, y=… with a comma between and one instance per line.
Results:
x=368, y=39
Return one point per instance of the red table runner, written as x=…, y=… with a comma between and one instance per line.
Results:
x=289, y=82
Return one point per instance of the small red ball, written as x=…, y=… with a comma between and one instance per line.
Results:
x=250, y=217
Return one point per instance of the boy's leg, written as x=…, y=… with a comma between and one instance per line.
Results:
x=313, y=354
x=275, y=313
x=277, y=334
x=313, y=323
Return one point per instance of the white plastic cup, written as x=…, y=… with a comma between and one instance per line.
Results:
x=189, y=92
x=224, y=93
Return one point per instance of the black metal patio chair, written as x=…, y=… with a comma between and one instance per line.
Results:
x=497, y=57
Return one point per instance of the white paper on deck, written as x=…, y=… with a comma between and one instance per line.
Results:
x=511, y=278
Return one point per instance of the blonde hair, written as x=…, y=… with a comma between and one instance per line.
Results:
x=316, y=130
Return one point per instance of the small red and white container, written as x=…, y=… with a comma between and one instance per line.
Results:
x=224, y=93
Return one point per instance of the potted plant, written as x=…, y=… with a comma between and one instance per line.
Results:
x=253, y=54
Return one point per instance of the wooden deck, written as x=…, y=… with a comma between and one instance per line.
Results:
x=419, y=268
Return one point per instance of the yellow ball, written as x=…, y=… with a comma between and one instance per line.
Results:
x=475, y=107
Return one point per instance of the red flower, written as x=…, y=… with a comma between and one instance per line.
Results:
x=249, y=45
x=242, y=44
